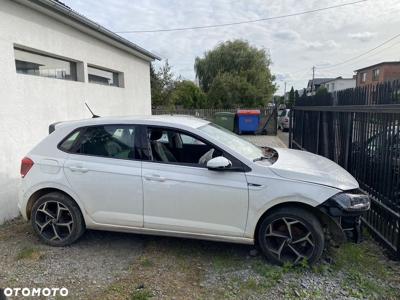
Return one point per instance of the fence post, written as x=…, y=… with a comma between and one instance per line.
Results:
x=302, y=129
x=317, y=137
x=291, y=117
x=349, y=137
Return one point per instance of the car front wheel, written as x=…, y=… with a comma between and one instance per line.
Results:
x=291, y=235
x=57, y=219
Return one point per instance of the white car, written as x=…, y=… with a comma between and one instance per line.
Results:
x=283, y=120
x=186, y=177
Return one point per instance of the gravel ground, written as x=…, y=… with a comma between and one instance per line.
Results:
x=105, y=265
x=265, y=140
x=96, y=261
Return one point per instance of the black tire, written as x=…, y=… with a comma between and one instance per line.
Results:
x=302, y=224
x=54, y=209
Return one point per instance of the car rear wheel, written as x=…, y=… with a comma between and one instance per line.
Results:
x=291, y=235
x=57, y=219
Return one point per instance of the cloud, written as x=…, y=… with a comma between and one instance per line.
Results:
x=321, y=45
x=295, y=43
x=362, y=36
x=287, y=35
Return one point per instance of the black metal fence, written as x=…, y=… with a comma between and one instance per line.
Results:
x=359, y=129
x=268, y=116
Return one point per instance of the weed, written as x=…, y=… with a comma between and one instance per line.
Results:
x=141, y=295
x=29, y=253
x=146, y=262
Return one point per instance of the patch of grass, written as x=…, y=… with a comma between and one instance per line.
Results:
x=320, y=268
x=359, y=286
x=365, y=271
x=294, y=291
x=272, y=274
x=29, y=253
x=146, y=262
x=226, y=260
x=363, y=256
x=141, y=294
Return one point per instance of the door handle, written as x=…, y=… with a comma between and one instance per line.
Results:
x=78, y=169
x=154, y=178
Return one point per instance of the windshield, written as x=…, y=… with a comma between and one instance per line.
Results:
x=233, y=141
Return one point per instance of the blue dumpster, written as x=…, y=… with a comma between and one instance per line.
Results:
x=248, y=120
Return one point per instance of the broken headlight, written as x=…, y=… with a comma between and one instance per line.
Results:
x=352, y=201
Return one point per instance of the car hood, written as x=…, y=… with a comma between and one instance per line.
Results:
x=308, y=167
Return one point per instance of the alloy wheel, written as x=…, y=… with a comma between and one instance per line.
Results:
x=54, y=221
x=289, y=240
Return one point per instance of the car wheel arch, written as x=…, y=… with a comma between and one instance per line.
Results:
x=44, y=191
x=325, y=220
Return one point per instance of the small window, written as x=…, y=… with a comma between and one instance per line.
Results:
x=33, y=63
x=188, y=140
x=363, y=77
x=105, y=77
x=113, y=141
x=375, y=75
x=69, y=141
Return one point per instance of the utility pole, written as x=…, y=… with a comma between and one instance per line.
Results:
x=313, y=76
x=284, y=95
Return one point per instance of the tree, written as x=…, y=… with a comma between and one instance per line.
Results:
x=296, y=96
x=188, y=95
x=291, y=98
x=235, y=74
x=304, y=94
x=162, y=85
x=321, y=91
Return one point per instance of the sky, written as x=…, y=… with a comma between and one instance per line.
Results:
x=295, y=44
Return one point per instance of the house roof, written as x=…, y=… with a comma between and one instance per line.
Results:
x=338, y=78
x=57, y=8
x=319, y=81
x=379, y=64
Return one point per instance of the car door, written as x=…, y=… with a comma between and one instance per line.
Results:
x=182, y=195
x=104, y=169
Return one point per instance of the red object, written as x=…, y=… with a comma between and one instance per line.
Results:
x=248, y=112
x=26, y=165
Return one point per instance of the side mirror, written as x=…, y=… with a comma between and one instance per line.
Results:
x=219, y=163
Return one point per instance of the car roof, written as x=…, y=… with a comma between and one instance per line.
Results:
x=164, y=120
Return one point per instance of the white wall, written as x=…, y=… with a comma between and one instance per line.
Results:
x=340, y=84
x=28, y=104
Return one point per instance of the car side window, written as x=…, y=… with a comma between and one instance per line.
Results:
x=173, y=146
x=113, y=141
x=183, y=148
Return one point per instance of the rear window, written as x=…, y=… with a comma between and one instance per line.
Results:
x=113, y=141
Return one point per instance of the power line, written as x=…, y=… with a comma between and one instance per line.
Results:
x=362, y=54
x=243, y=22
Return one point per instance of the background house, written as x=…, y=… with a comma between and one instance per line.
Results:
x=313, y=85
x=378, y=73
x=52, y=61
x=339, y=84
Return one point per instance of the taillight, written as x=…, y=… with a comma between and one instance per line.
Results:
x=26, y=165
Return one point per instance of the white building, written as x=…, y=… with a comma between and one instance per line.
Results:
x=52, y=61
x=339, y=84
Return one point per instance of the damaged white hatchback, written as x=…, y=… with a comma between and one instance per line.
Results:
x=185, y=177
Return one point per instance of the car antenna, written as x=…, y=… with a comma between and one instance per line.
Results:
x=93, y=115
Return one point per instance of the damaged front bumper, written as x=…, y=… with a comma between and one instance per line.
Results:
x=346, y=209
